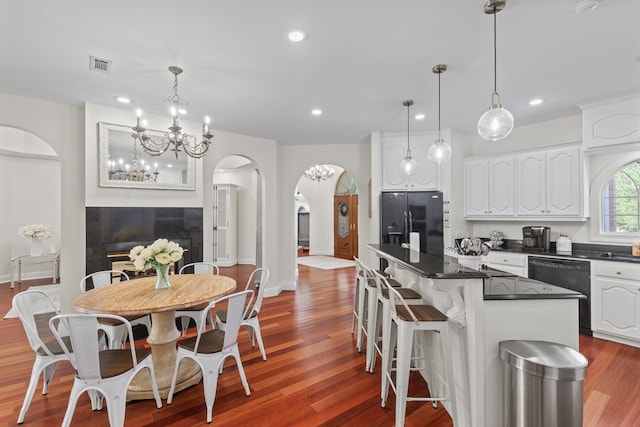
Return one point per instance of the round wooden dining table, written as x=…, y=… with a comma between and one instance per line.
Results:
x=138, y=297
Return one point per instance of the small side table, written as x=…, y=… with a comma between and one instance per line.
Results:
x=19, y=260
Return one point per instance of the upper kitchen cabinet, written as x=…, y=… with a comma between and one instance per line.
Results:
x=394, y=149
x=488, y=188
x=611, y=123
x=550, y=183
x=527, y=185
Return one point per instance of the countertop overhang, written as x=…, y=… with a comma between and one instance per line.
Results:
x=447, y=267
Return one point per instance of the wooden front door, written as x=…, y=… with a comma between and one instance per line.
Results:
x=345, y=226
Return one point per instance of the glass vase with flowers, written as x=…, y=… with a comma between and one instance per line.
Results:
x=159, y=255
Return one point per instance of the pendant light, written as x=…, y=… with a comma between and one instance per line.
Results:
x=439, y=151
x=497, y=122
x=408, y=164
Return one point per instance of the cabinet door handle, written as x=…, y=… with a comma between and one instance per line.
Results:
x=617, y=272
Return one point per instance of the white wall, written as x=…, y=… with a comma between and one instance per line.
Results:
x=552, y=132
x=264, y=154
x=62, y=127
x=104, y=196
x=294, y=159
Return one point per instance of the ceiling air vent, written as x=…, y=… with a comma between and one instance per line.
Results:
x=98, y=64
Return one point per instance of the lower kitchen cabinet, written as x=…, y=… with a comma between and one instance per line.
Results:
x=616, y=300
x=508, y=261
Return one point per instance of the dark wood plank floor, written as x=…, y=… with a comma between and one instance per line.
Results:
x=313, y=375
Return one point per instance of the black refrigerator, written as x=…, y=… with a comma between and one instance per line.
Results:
x=404, y=212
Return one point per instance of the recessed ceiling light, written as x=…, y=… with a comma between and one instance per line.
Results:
x=316, y=112
x=123, y=99
x=420, y=116
x=535, y=101
x=296, y=35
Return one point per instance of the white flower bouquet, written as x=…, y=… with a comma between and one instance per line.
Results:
x=35, y=231
x=160, y=253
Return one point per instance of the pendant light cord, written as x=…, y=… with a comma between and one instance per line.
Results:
x=495, y=51
x=408, y=149
x=439, y=134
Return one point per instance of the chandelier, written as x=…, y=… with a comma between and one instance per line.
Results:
x=175, y=139
x=319, y=173
x=137, y=171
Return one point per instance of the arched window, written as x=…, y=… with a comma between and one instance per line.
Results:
x=621, y=201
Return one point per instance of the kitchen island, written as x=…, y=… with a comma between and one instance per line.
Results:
x=485, y=307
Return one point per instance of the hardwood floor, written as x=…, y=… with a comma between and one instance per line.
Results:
x=313, y=375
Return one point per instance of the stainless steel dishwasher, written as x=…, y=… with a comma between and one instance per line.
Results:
x=569, y=274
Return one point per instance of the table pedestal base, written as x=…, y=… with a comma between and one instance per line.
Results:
x=162, y=339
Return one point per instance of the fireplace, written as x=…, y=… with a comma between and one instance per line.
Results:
x=113, y=231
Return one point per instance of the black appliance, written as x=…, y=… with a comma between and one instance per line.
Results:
x=536, y=238
x=412, y=211
x=569, y=274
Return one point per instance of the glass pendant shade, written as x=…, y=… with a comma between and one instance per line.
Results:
x=439, y=152
x=496, y=123
x=408, y=164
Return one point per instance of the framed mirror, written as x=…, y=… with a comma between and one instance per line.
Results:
x=123, y=162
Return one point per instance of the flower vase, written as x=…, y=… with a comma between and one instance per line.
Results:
x=36, y=247
x=162, y=277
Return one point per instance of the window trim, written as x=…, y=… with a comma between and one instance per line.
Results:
x=595, y=199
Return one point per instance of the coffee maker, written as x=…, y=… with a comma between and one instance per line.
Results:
x=536, y=238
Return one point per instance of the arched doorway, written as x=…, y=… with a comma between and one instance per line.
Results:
x=31, y=175
x=325, y=200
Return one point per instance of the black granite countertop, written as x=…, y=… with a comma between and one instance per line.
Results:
x=426, y=265
x=580, y=251
x=447, y=267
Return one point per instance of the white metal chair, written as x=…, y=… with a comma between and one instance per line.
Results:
x=116, y=332
x=407, y=323
x=194, y=313
x=46, y=348
x=104, y=374
x=250, y=317
x=211, y=347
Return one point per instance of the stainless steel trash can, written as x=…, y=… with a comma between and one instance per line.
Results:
x=542, y=384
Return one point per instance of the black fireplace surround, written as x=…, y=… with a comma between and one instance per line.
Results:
x=118, y=229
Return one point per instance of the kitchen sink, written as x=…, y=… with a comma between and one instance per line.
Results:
x=613, y=255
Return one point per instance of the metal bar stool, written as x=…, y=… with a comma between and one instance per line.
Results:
x=407, y=323
x=364, y=298
x=380, y=313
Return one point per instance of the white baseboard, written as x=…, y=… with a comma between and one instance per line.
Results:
x=246, y=261
x=615, y=338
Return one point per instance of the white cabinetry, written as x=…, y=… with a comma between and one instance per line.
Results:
x=508, y=261
x=225, y=225
x=489, y=186
x=394, y=150
x=611, y=122
x=616, y=301
x=550, y=182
